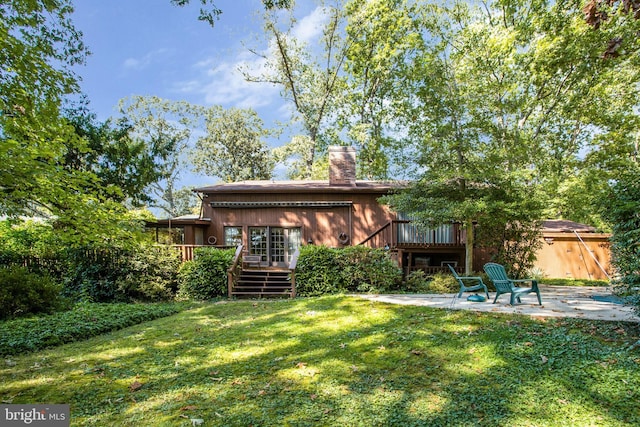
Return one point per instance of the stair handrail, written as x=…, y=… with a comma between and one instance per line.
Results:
x=232, y=272
x=383, y=228
x=292, y=269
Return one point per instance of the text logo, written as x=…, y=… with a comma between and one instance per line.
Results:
x=35, y=415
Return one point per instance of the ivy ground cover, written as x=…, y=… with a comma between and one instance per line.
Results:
x=339, y=361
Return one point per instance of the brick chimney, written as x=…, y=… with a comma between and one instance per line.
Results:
x=342, y=165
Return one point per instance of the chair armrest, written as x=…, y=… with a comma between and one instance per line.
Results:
x=470, y=278
x=534, y=282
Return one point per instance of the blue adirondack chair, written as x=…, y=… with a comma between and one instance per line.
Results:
x=505, y=285
x=465, y=288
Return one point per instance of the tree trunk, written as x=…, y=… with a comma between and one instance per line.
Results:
x=468, y=260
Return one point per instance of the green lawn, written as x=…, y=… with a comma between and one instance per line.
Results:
x=339, y=361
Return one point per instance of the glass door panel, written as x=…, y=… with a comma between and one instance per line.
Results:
x=278, y=245
x=258, y=242
x=283, y=244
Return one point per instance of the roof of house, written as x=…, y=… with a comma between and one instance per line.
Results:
x=566, y=226
x=302, y=187
x=191, y=219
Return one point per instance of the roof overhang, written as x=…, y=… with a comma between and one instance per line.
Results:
x=281, y=204
x=300, y=187
x=179, y=222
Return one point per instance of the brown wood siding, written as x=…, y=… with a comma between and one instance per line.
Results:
x=564, y=256
x=321, y=225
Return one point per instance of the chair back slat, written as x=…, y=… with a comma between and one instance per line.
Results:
x=498, y=276
x=503, y=284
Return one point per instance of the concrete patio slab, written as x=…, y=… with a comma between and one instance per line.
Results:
x=557, y=301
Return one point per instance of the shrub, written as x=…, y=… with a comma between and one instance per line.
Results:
x=23, y=293
x=417, y=282
x=622, y=210
x=121, y=271
x=205, y=277
x=368, y=270
x=145, y=272
x=151, y=273
x=322, y=270
x=92, y=274
x=442, y=283
x=318, y=271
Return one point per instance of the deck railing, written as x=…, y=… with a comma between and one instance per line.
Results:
x=234, y=271
x=398, y=233
x=186, y=251
x=430, y=270
x=292, y=271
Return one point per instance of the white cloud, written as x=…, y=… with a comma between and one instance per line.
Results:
x=143, y=62
x=309, y=28
x=224, y=84
x=220, y=81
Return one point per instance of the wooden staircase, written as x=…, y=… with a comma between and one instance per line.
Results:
x=260, y=283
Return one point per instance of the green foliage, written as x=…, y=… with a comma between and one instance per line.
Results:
x=318, y=271
x=442, y=283
x=416, y=282
x=92, y=274
x=622, y=209
x=118, y=160
x=364, y=269
x=23, y=293
x=151, y=273
x=573, y=282
x=39, y=47
x=81, y=322
x=205, y=277
x=122, y=271
x=162, y=130
x=210, y=12
x=233, y=148
x=322, y=270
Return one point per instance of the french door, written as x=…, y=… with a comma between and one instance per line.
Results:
x=276, y=245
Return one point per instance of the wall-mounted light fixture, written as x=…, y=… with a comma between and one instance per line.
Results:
x=549, y=240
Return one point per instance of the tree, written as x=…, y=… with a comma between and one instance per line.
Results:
x=39, y=46
x=502, y=101
x=210, y=12
x=383, y=37
x=117, y=160
x=233, y=148
x=622, y=210
x=164, y=129
x=311, y=82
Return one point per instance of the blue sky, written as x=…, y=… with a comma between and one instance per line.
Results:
x=150, y=47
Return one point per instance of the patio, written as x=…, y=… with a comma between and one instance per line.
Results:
x=557, y=301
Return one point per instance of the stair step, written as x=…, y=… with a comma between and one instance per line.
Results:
x=260, y=293
x=256, y=282
x=264, y=277
x=278, y=282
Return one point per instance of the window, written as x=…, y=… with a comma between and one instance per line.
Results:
x=232, y=236
x=258, y=242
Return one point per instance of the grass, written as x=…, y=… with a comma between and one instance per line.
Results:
x=575, y=282
x=339, y=361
